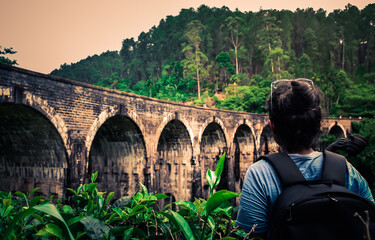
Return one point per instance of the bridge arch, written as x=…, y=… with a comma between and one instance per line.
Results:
x=267, y=143
x=118, y=153
x=212, y=144
x=49, y=112
x=244, y=148
x=102, y=118
x=173, y=167
x=337, y=130
x=31, y=148
x=166, y=121
x=204, y=127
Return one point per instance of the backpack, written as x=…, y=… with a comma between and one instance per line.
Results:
x=320, y=209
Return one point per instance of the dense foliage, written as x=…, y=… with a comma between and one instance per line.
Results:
x=365, y=162
x=4, y=58
x=92, y=216
x=227, y=59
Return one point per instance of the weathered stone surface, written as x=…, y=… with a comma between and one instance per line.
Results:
x=55, y=131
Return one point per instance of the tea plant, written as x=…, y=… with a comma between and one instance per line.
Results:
x=91, y=216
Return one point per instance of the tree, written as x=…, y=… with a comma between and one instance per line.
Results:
x=194, y=64
x=304, y=66
x=310, y=44
x=224, y=65
x=233, y=25
x=4, y=59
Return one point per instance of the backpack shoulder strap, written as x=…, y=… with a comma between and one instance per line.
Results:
x=285, y=168
x=334, y=168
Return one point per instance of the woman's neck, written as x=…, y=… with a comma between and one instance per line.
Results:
x=300, y=152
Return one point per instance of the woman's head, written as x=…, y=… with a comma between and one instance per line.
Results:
x=295, y=114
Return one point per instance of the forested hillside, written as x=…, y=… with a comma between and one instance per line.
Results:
x=227, y=59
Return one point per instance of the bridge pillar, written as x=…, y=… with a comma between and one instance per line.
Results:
x=78, y=164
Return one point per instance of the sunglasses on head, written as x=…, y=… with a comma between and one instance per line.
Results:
x=277, y=83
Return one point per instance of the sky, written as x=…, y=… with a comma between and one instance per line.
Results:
x=48, y=33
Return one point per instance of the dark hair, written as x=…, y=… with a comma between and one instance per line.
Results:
x=296, y=115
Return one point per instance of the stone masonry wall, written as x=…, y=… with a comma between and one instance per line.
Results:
x=130, y=138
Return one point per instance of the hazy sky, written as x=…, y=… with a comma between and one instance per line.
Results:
x=47, y=33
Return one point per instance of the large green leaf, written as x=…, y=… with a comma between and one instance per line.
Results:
x=128, y=233
x=122, y=202
x=50, y=209
x=94, y=227
x=217, y=199
x=54, y=230
x=183, y=226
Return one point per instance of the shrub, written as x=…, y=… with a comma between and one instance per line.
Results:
x=91, y=216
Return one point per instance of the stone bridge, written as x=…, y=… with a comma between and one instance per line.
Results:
x=55, y=132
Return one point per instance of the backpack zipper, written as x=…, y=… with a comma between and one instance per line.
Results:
x=295, y=204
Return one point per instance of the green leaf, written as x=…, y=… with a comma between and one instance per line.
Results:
x=183, y=225
x=50, y=209
x=67, y=209
x=109, y=197
x=92, y=186
x=13, y=237
x=128, y=233
x=94, y=227
x=139, y=207
x=39, y=218
x=54, y=230
x=80, y=234
x=217, y=199
x=219, y=168
x=18, y=217
x=35, y=200
x=7, y=211
x=138, y=196
x=90, y=205
x=74, y=220
x=122, y=202
x=211, y=223
x=137, y=232
x=7, y=202
x=22, y=195
x=85, y=187
x=161, y=196
x=44, y=233
x=34, y=190
x=211, y=178
x=144, y=189
x=72, y=191
x=79, y=189
x=94, y=176
x=187, y=205
x=118, y=211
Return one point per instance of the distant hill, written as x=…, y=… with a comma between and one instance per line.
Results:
x=200, y=52
x=92, y=69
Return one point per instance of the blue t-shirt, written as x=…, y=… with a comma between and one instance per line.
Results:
x=262, y=187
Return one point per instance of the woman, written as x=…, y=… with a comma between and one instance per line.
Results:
x=295, y=120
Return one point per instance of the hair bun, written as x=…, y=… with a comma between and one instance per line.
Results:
x=301, y=98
